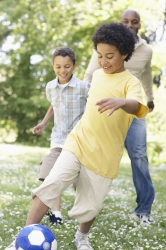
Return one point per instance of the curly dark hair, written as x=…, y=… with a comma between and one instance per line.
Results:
x=115, y=34
x=64, y=51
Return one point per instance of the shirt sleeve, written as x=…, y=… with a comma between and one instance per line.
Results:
x=134, y=91
x=92, y=66
x=48, y=95
x=147, y=81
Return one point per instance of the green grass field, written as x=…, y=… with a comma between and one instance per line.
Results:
x=113, y=229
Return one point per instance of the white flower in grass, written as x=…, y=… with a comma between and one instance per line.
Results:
x=90, y=235
x=106, y=243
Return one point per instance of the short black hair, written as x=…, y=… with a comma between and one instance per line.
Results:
x=64, y=51
x=115, y=34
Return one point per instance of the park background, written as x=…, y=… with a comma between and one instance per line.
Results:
x=29, y=32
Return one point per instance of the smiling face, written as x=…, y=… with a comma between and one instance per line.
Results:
x=131, y=20
x=109, y=58
x=63, y=68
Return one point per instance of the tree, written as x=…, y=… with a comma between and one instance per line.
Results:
x=36, y=28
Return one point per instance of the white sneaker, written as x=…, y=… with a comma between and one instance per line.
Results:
x=145, y=219
x=82, y=241
x=11, y=246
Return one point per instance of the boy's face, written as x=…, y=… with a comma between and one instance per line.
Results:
x=109, y=58
x=63, y=68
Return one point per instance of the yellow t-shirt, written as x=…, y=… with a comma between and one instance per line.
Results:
x=97, y=140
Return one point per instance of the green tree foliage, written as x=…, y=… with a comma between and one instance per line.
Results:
x=36, y=28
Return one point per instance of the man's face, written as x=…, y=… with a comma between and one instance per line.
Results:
x=131, y=20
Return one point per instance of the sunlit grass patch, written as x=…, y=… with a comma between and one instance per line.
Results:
x=114, y=228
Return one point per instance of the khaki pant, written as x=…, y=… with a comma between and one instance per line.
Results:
x=48, y=163
x=91, y=189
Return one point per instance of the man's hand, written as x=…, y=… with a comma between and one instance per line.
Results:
x=150, y=105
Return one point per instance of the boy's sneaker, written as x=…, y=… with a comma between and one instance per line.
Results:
x=54, y=220
x=145, y=219
x=82, y=241
x=11, y=246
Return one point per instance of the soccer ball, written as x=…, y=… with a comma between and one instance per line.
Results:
x=36, y=237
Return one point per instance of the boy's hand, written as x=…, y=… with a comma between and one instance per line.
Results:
x=111, y=104
x=38, y=129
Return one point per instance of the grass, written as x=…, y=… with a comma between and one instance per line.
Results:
x=113, y=228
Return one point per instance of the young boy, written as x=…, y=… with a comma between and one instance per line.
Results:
x=67, y=95
x=93, y=149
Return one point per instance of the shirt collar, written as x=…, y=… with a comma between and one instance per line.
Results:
x=71, y=83
x=140, y=42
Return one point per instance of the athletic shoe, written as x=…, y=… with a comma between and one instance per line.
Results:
x=54, y=220
x=145, y=219
x=11, y=246
x=82, y=241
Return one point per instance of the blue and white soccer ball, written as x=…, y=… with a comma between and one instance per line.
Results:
x=36, y=237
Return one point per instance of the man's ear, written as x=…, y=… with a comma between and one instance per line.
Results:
x=139, y=25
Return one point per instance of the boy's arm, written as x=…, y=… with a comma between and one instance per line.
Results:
x=38, y=129
x=130, y=106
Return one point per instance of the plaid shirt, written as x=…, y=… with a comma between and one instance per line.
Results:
x=68, y=104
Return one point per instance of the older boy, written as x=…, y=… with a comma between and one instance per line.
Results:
x=135, y=143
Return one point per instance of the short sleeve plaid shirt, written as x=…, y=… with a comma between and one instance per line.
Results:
x=68, y=104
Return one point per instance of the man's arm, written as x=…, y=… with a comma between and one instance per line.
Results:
x=147, y=84
x=92, y=66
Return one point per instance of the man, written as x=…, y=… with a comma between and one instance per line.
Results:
x=135, y=143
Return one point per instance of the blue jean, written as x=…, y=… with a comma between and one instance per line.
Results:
x=135, y=144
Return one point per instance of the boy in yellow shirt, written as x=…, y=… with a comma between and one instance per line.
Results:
x=93, y=149
x=136, y=143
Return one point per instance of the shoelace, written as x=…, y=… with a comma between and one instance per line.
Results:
x=83, y=241
x=146, y=219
